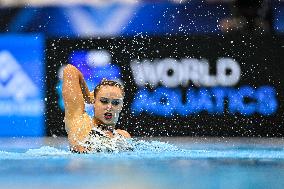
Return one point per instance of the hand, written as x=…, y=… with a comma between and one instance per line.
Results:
x=92, y=97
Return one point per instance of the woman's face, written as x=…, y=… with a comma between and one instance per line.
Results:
x=108, y=104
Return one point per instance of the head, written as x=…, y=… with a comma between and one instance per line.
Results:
x=108, y=101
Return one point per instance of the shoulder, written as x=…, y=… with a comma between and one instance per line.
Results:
x=123, y=133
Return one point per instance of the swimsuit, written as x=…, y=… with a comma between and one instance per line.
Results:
x=98, y=141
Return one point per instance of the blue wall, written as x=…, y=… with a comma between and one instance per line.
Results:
x=21, y=85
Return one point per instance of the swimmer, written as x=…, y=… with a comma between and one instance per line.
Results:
x=107, y=99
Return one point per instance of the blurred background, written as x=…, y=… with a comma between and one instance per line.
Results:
x=190, y=67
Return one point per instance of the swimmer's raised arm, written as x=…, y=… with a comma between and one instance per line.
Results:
x=75, y=91
x=71, y=91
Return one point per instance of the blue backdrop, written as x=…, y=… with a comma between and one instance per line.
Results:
x=21, y=85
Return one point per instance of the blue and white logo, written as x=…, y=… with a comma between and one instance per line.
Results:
x=15, y=84
x=21, y=86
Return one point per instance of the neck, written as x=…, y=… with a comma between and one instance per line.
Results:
x=103, y=126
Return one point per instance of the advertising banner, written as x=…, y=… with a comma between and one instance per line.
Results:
x=131, y=18
x=197, y=86
x=21, y=85
x=114, y=18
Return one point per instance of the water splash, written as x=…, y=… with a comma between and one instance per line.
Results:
x=47, y=151
x=141, y=149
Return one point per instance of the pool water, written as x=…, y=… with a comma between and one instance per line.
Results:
x=168, y=162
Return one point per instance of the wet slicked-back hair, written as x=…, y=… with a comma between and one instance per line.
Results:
x=106, y=82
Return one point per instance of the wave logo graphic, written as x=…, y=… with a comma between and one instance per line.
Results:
x=18, y=94
x=14, y=82
x=104, y=20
